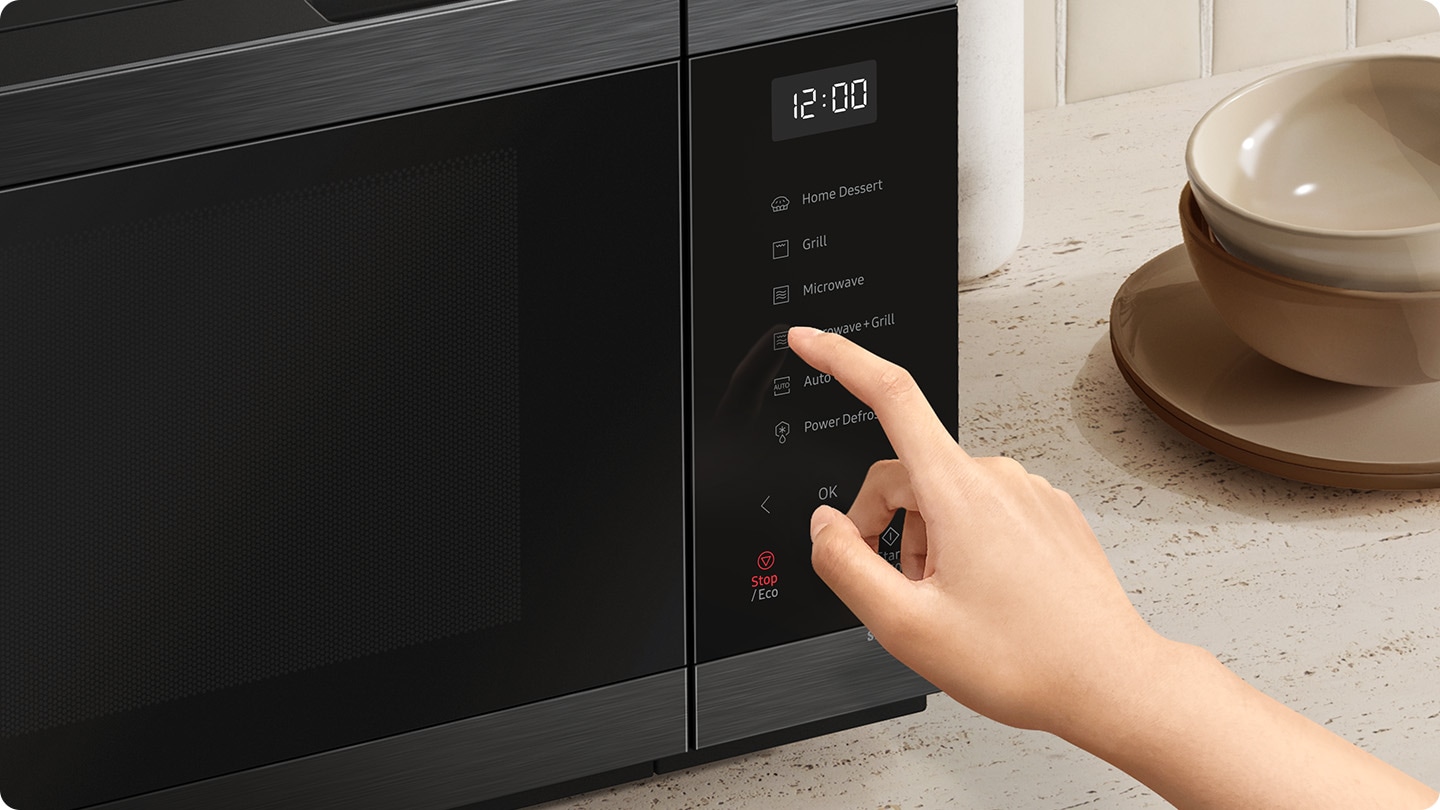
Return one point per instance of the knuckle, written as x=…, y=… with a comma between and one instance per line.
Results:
x=882, y=468
x=827, y=553
x=1005, y=466
x=896, y=383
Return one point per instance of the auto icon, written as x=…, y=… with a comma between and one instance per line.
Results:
x=779, y=204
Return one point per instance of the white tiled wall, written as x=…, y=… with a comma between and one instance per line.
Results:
x=1081, y=49
x=1116, y=45
x=1249, y=34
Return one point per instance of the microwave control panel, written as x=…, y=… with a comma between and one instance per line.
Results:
x=823, y=193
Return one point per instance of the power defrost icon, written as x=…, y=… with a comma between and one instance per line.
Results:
x=782, y=432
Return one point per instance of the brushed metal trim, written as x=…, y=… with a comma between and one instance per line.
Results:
x=341, y=73
x=23, y=14
x=154, y=30
x=718, y=24
x=801, y=682
x=463, y=762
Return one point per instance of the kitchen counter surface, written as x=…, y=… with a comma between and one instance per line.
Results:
x=1325, y=598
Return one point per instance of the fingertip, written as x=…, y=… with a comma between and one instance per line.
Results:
x=832, y=536
x=836, y=542
x=822, y=516
x=799, y=337
x=863, y=580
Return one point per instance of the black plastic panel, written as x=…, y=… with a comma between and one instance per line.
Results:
x=338, y=436
x=852, y=230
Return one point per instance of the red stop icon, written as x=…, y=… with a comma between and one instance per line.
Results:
x=766, y=560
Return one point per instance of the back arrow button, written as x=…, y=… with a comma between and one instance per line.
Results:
x=762, y=504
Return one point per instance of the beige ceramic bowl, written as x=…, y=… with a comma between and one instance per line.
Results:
x=1360, y=337
x=1329, y=172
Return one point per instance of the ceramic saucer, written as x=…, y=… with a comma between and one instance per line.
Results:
x=1192, y=371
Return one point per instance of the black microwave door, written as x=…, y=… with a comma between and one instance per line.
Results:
x=331, y=437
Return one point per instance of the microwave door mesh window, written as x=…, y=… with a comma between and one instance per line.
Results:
x=234, y=457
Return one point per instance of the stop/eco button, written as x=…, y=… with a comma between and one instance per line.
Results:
x=766, y=560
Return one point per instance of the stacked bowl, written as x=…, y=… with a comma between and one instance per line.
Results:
x=1312, y=218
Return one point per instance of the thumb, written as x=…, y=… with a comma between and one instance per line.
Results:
x=867, y=584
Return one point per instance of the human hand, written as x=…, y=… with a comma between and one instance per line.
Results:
x=1007, y=601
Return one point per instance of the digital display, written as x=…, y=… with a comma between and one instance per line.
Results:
x=823, y=100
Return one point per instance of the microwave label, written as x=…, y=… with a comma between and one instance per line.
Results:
x=874, y=322
x=842, y=192
x=817, y=379
x=822, y=287
x=859, y=417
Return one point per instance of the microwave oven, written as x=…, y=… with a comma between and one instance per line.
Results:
x=395, y=408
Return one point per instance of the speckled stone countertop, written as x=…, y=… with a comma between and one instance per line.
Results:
x=1327, y=599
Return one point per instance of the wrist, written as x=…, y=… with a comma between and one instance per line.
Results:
x=1180, y=722
x=1107, y=714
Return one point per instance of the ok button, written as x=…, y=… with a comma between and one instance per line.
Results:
x=827, y=492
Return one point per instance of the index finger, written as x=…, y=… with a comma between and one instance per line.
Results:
x=914, y=430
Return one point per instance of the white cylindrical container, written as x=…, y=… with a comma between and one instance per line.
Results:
x=991, y=160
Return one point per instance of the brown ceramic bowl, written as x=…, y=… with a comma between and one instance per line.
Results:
x=1328, y=172
x=1361, y=337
